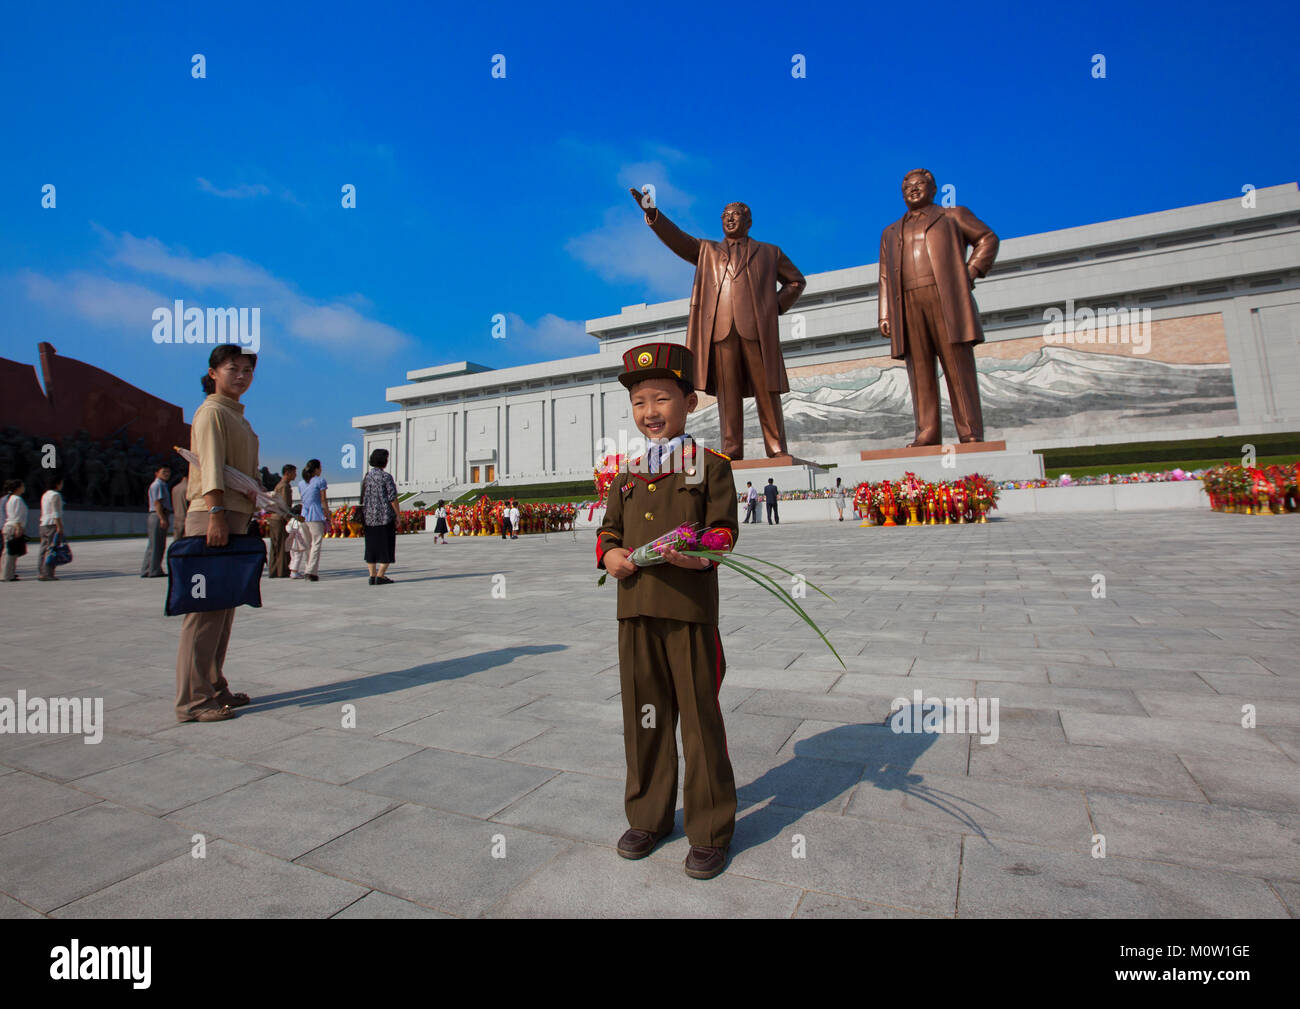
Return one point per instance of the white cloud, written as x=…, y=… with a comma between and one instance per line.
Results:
x=623, y=250
x=642, y=173
x=237, y=193
x=549, y=337
x=222, y=280
x=97, y=299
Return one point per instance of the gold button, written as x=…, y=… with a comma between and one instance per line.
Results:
x=649, y=516
x=650, y=486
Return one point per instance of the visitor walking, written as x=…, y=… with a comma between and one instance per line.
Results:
x=379, y=514
x=220, y=436
x=160, y=509
x=514, y=520
x=440, y=521
x=751, y=503
x=298, y=542
x=315, y=509
x=13, y=530
x=51, y=525
x=279, y=563
x=769, y=492
x=839, y=496
x=180, y=506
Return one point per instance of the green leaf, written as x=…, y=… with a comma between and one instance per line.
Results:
x=772, y=586
x=779, y=568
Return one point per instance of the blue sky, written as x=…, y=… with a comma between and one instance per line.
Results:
x=478, y=196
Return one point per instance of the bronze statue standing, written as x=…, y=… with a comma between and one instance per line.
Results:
x=732, y=330
x=926, y=308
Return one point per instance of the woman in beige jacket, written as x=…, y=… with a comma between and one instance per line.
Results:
x=220, y=437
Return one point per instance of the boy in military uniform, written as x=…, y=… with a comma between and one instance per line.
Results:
x=670, y=656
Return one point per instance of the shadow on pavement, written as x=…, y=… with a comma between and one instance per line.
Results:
x=378, y=684
x=828, y=765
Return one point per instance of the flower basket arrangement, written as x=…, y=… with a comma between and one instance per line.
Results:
x=862, y=502
x=913, y=501
x=1250, y=490
x=606, y=470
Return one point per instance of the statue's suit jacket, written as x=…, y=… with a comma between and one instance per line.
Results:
x=948, y=231
x=766, y=265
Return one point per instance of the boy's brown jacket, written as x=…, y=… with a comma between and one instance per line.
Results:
x=697, y=489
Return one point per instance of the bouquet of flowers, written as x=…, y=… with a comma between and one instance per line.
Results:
x=911, y=488
x=606, y=470
x=862, y=499
x=690, y=541
x=982, y=490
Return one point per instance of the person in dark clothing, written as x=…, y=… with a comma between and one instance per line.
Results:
x=380, y=514
x=769, y=492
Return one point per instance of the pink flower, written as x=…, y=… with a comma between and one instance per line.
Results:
x=714, y=541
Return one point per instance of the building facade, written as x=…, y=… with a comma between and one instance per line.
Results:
x=1183, y=323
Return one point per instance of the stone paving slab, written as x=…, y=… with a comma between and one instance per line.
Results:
x=1177, y=734
x=1257, y=842
x=973, y=806
x=1065, y=765
x=228, y=882
x=826, y=905
x=862, y=859
x=167, y=782
x=283, y=814
x=27, y=799
x=475, y=786
x=376, y=905
x=401, y=738
x=438, y=859
x=1019, y=880
x=332, y=755
x=588, y=881
x=56, y=861
x=1261, y=784
x=71, y=757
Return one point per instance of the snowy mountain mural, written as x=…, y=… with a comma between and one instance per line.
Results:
x=1052, y=392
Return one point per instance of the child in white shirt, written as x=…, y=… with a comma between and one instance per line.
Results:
x=298, y=542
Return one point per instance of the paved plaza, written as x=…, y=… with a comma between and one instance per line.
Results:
x=483, y=776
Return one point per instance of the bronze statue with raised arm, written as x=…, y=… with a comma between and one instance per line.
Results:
x=926, y=306
x=741, y=286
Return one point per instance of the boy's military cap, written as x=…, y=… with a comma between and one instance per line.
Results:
x=657, y=360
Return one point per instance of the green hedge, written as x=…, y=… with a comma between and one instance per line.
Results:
x=1199, y=450
x=570, y=490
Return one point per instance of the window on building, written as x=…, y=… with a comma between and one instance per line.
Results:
x=473, y=474
x=490, y=474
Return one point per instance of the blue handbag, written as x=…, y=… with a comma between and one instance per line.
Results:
x=202, y=578
x=59, y=552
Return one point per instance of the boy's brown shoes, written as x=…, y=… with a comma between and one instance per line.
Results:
x=638, y=843
x=705, y=863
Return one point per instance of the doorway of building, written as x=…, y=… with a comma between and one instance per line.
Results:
x=490, y=473
x=473, y=474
